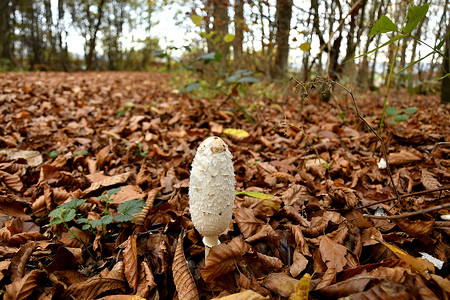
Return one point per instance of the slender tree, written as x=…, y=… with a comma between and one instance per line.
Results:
x=283, y=17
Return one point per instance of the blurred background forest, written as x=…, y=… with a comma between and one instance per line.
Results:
x=269, y=39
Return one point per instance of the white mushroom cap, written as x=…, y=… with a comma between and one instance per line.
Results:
x=211, y=189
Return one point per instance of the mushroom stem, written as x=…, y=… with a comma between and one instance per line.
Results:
x=210, y=241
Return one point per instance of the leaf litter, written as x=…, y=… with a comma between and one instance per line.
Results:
x=123, y=144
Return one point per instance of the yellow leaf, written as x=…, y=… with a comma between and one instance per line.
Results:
x=271, y=204
x=258, y=195
x=305, y=47
x=228, y=38
x=197, y=20
x=240, y=133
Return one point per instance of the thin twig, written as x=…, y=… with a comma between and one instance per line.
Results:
x=408, y=195
x=410, y=214
x=383, y=145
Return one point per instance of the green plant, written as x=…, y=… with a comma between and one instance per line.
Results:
x=67, y=212
x=396, y=117
x=53, y=154
x=384, y=24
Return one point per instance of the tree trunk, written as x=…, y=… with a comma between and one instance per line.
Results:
x=93, y=37
x=284, y=14
x=5, y=28
x=238, y=31
x=220, y=26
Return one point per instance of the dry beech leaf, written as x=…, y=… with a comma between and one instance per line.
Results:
x=139, y=218
x=107, y=281
x=110, y=181
x=127, y=192
x=131, y=263
x=20, y=238
x=33, y=158
x=347, y=287
x=428, y=180
x=122, y=297
x=23, y=287
x=403, y=158
x=281, y=284
x=420, y=229
x=245, y=295
x=20, y=259
x=222, y=258
x=333, y=254
x=182, y=277
x=12, y=181
x=299, y=264
x=247, y=222
x=146, y=281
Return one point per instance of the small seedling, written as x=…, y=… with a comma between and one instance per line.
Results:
x=404, y=114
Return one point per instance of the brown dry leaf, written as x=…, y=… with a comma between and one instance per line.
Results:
x=247, y=222
x=23, y=287
x=266, y=232
x=110, y=181
x=245, y=295
x=139, y=218
x=299, y=264
x=281, y=284
x=146, y=281
x=347, y=287
x=403, y=158
x=328, y=278
x=12, y=181
x=107, y=281
x=420, y=229
x=333, y=254
x=300, y=241
x=428, y=180
x=131, y=263
x=20, y=238
x=20, y=259
x=444, y=283
x=127, y=192
x=33, y=158
x=122, y=297
x=222, y=258
x=182, y=277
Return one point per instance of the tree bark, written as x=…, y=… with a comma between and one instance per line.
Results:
x=93, y=37
x=238, y=30
x=284, y=15
x=220, y=26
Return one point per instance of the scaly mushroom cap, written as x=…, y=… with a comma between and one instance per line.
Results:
x=211, y=187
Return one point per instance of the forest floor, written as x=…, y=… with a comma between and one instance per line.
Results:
x=122, y=145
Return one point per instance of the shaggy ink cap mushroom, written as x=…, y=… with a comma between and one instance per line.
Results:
x=211, y=190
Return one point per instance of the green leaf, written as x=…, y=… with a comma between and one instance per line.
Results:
x=86, y=227
x=128, y=208
x=82, y=221
x=107, y=219
x=410, y=110
x=197, y=20
x=53, y=154
x=113, y=191
x=415, y=15
x=401, y=118
x=55, y=221
x=383, y=25
x=395, y=38
x=228, y=38
x=391, y=111
x=248, y=79
x=258, y=195
x=95, y=223
x=68, y=215
x=232, y=78
x=190, y=87
x=72, y=204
